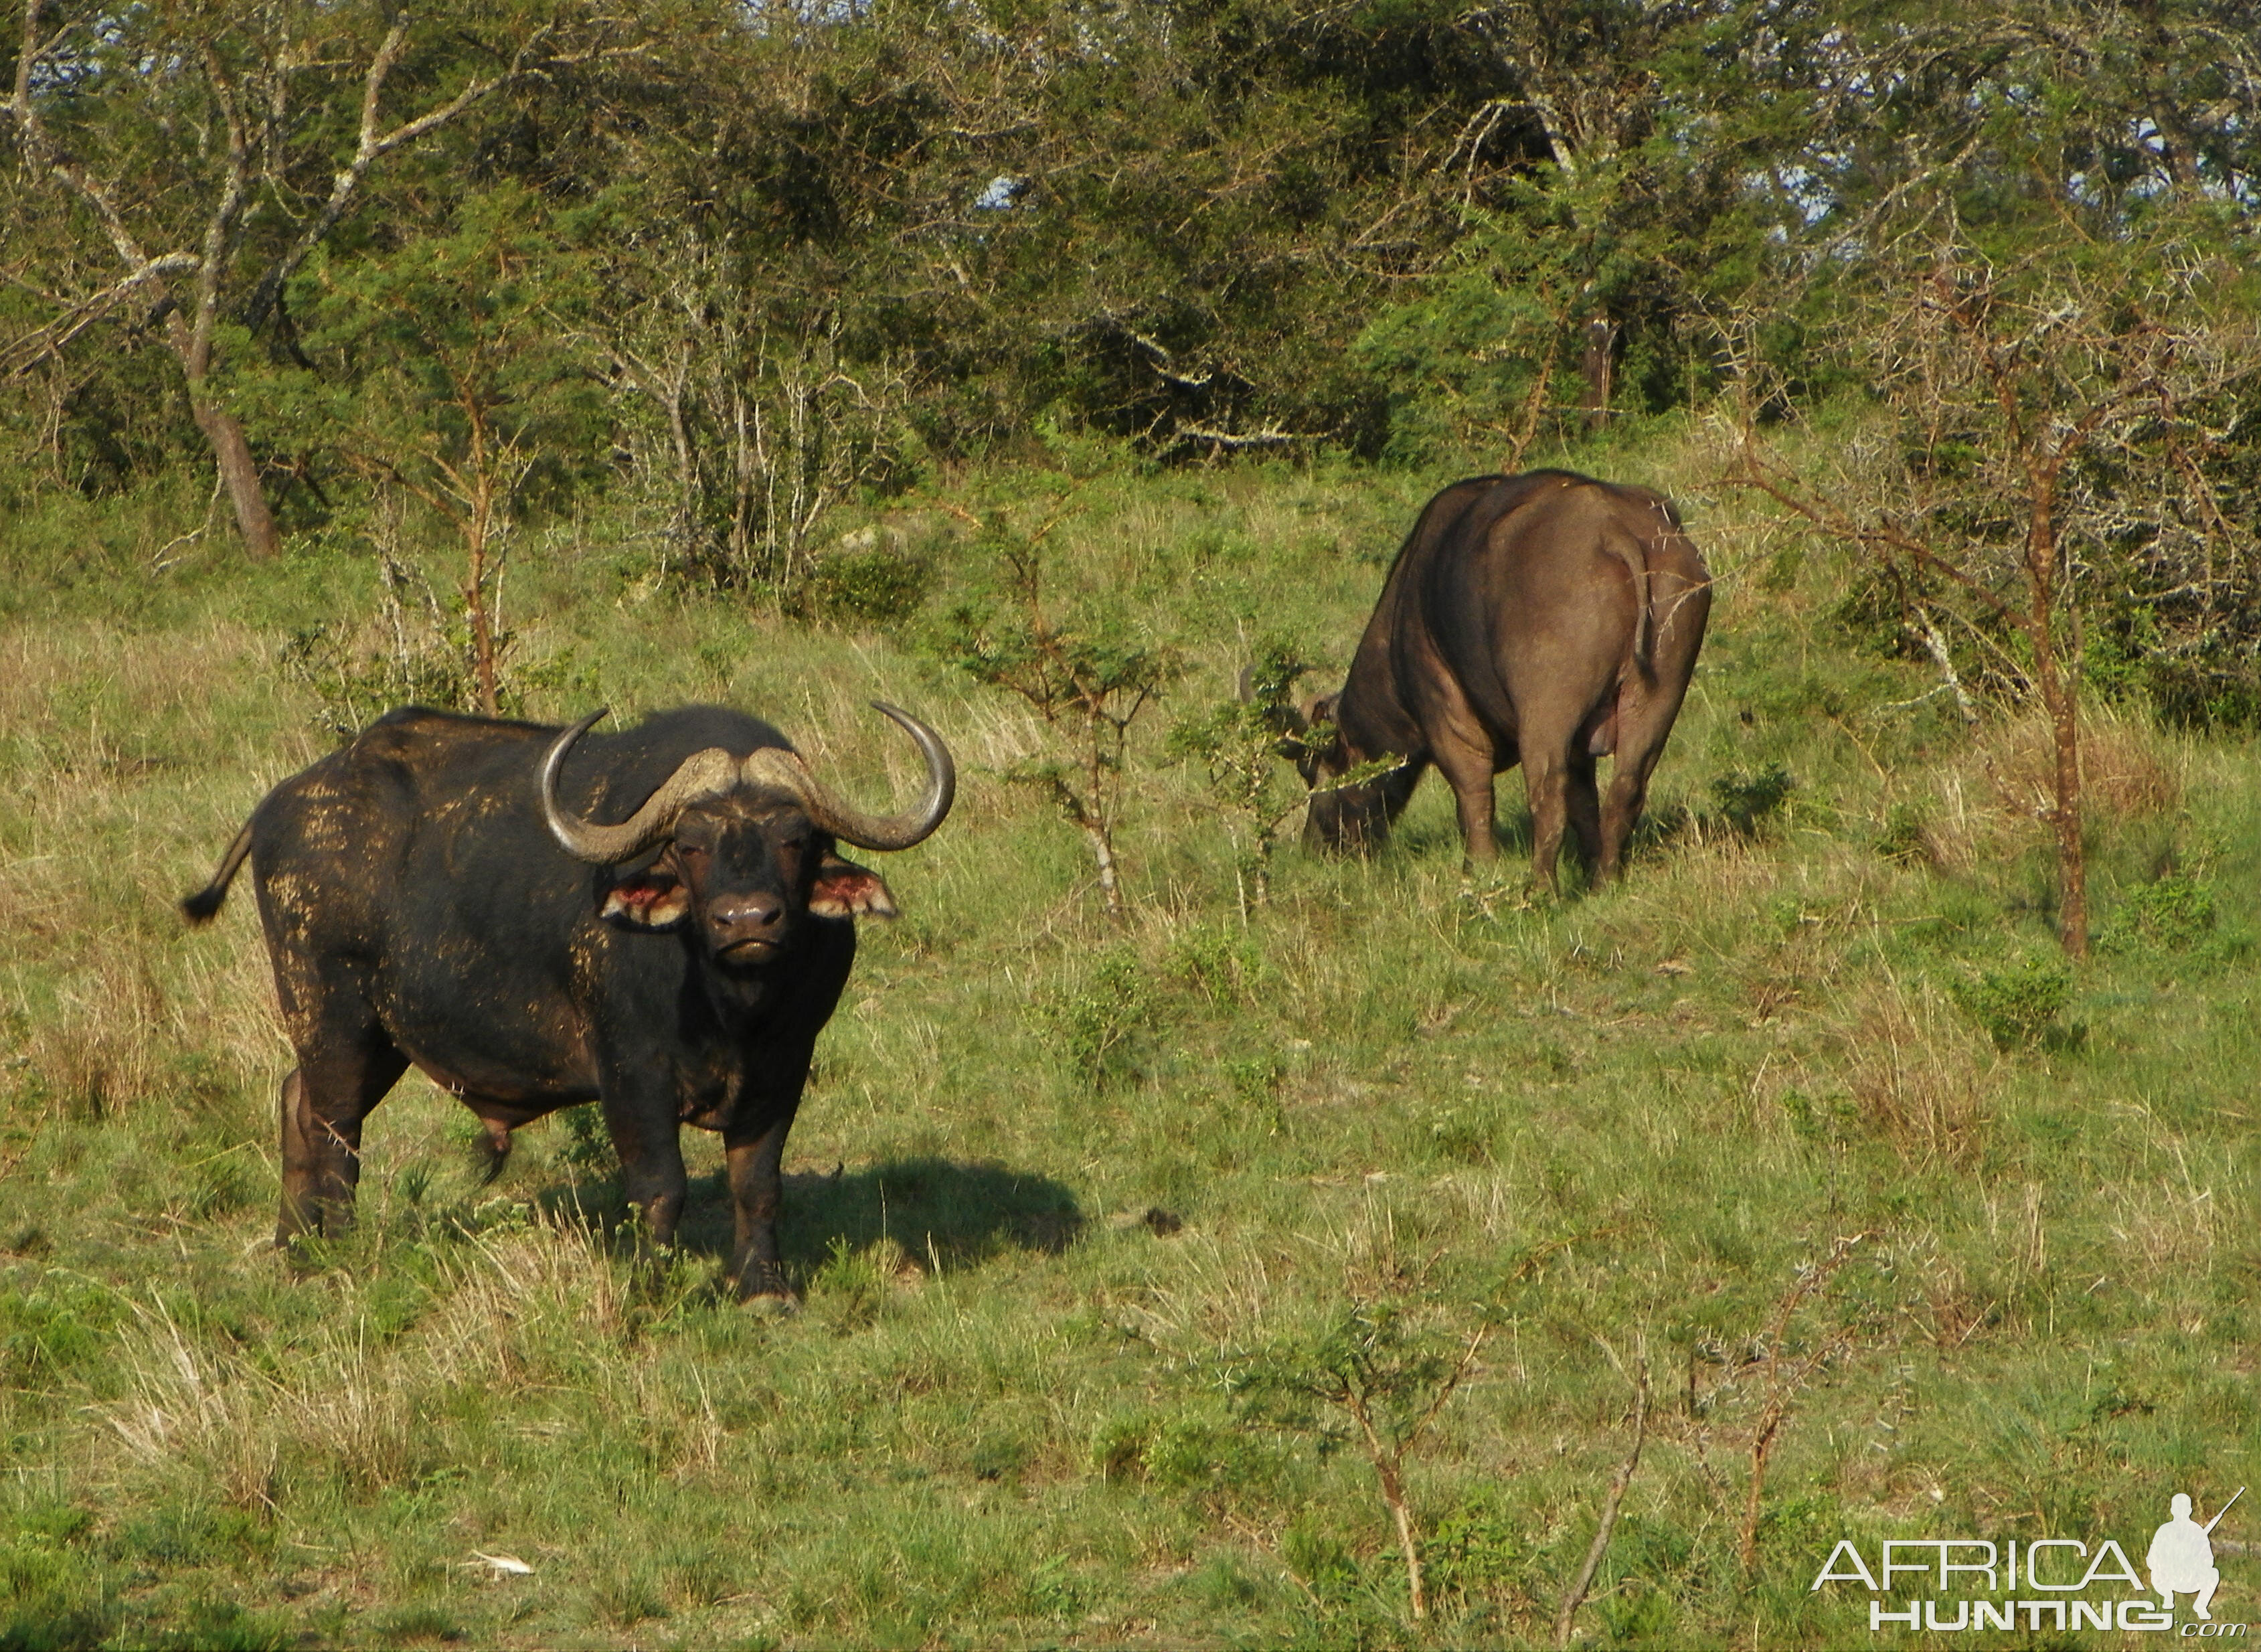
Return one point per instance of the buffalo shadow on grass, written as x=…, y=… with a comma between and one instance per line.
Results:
x=964, y=1212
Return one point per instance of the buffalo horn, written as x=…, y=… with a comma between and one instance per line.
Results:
x=713, y=772
x=701, y=774
x=872, y=831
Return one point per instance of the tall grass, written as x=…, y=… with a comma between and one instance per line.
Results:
x=1055, y=1183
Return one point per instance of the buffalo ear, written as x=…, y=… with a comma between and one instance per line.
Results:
x=843, y=890
x=1320, y=708
x=654, y=899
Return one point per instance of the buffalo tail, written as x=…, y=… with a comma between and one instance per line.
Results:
x=1634, y=553
x=200, y=907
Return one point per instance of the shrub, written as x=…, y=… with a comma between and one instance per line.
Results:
x=1749, y=799
x=2017, y=1007
x=2170, y=915
x=881, y=582
x=1096, y=1023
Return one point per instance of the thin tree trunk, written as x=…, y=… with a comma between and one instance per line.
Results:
x=2061, y=698
x=1596, y=364
x=1408, y=1543
x=1568, y=1615
x=1111, y=886
x=475, y=600
x=2057, y=694
x=238, y=473
x=686, y=478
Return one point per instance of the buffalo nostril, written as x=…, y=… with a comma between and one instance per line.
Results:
x=755, y=914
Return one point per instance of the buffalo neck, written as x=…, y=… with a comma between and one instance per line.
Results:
x=1371, y=714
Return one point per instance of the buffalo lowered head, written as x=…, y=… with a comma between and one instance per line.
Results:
x=747, y=846
x=1342, y=815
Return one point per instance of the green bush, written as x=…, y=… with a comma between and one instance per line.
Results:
x=1474, y=1553
x=1097, y=1021
x=2170, y=914
x=882, y=585
x=2017, y=1007
x=1747, y=799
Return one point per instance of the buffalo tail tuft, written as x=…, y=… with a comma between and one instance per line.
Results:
x=200, y=908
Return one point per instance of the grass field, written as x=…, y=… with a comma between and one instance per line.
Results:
x=1804, y=1122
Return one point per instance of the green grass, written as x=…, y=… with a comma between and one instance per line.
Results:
x=1015, y=1408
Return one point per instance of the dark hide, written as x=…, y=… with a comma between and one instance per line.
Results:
x=418, y=909
x=1546, y=619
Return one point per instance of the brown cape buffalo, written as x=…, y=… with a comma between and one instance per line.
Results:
x=1546, y=619
x=441, y=892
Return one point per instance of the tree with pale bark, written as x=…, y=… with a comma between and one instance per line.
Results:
x=211, y=147
x=2061, y=419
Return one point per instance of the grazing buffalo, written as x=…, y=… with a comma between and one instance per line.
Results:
x=1546, y=619
x=439, y=892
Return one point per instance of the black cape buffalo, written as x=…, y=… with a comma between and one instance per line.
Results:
x=439, y=892
x=1546, y=619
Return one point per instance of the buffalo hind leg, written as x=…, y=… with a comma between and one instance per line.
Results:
x=1628, y=791
x=1547, y=779
x=1582, y=802
x=321, y=1137
x=1642, y=725
x=1468, y=770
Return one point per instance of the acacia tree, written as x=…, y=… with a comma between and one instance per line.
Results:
x=2058, y=413
x=457, y=378
x=211, y=147
x=1081, y=667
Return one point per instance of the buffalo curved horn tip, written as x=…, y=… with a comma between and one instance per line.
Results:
x=701, y=774
x=914, y=824
x=568, y=831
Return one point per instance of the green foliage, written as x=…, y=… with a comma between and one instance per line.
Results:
x=2171, y=914
x=1369, y=1363
x=882, y=585
x=1239, y=742
x=586, y=1146
x=2018, y=1007
x=1099, y=1022
x=1749, y=801
x=1475, y=1551
x=1088, y=675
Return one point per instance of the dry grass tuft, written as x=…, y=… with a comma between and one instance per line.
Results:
x=1995, y=802
x=100, y=1052
x=2127, y=767
x=1918, y=1078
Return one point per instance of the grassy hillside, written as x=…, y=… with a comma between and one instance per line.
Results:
x=1805, y=1121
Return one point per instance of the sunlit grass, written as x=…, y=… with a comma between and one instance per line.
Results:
x=1613, y=1125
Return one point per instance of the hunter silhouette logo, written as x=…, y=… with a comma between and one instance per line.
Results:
x=2181, y=1557
x=2060, y=1583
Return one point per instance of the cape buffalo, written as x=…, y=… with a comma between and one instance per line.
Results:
x=438, y=892
x=1546, y=619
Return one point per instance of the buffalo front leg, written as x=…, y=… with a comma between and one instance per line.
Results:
x=756, y=1159
x=754, y=1148
x=647, y=1136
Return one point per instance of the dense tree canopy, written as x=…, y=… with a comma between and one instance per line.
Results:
x=813, y=249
